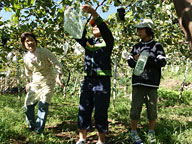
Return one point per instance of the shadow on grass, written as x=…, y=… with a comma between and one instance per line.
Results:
x=65, y=126
x=9, y=137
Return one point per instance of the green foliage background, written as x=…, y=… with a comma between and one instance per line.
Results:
x=46, y=20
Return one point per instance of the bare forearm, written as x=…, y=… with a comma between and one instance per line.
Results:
x=94, y=14
x=89, y=9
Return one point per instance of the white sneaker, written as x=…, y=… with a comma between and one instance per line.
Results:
x=136, y=139
x=151, y=138
x=81, y=142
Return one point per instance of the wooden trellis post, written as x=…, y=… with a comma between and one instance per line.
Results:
x=114, y=81
x=182, y=86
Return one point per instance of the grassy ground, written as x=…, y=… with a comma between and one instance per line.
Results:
x=174, y=124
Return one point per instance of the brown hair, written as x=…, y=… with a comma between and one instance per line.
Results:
x=149, y=32
x=26, y=34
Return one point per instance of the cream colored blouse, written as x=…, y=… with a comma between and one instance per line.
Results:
x=39, y=71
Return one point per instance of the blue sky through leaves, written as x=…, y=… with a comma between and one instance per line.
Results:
x=7, y=15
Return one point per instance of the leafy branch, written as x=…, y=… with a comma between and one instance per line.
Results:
x=95, y=10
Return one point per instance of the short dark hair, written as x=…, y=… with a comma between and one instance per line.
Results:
x=26, y=34
x=149, y=32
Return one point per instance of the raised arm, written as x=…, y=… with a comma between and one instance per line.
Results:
x=104, y=30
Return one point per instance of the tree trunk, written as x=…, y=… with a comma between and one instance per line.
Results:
x=184, y=12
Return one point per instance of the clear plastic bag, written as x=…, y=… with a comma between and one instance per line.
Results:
x=141, y=62
x=125, y=55
x=78, y=49
x=74, y=22
x=65, y=48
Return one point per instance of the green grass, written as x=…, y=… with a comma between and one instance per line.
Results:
x=174, y=123
x=60, y=126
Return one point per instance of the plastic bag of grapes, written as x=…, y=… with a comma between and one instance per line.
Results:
x=74, y=21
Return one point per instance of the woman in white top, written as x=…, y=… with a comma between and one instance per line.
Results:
x=38, y=64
